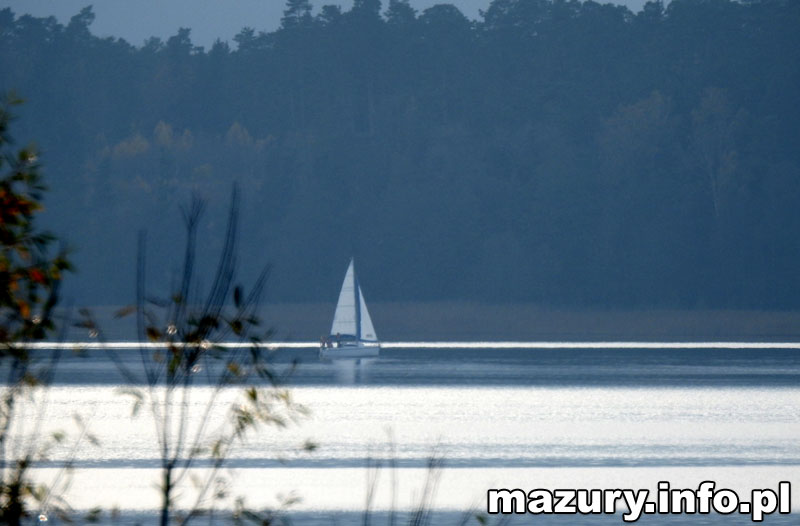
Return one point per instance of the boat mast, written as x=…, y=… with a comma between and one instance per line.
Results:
x=356, y=292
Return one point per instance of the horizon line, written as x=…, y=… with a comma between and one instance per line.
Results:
x=120, y=345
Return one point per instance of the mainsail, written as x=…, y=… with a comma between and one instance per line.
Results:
x=344, y=319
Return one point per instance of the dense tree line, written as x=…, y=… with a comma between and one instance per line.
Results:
x=555, y=151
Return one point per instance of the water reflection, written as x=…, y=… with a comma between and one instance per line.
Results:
x=351, y=371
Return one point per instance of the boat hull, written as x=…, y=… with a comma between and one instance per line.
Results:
x=361, y=350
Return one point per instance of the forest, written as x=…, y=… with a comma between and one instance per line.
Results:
x=554, y=152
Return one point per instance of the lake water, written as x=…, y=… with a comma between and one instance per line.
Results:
x=497, y=418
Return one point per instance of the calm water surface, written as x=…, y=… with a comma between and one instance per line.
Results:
x=522, y=418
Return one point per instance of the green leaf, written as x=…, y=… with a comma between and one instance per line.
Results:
x=153, y=334
x=125, y=311
x=94, y=515
x=138, y=397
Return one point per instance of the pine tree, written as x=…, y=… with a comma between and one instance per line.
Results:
x=399, y=13
x=297, y=12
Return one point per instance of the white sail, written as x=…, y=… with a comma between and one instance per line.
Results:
x=344, y=319
x=367, y=330
x=352, y=332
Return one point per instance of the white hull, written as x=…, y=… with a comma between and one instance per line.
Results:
x=362, y=350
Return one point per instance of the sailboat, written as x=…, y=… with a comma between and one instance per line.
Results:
x=352, y=333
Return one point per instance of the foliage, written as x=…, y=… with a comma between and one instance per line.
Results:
x=187, y=342
x=30, y=276
x=559, y=152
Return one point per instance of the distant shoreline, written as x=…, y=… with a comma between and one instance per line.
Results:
x=479, y=322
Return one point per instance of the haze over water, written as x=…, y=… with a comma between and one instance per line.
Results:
x=529, y=418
